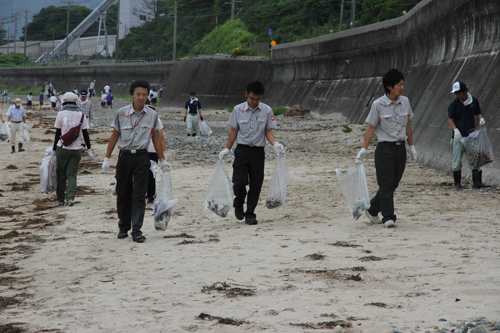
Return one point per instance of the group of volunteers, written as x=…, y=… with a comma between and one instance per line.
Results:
x=138, y=134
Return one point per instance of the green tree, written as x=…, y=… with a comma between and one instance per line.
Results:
x=3, y=36
x=50, y=22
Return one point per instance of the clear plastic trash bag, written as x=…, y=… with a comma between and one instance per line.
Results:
x=276, y=194
x=164, y=199
x=48, y=172
x=204, y=129
x=355, y=189
x=4, y=132
x=219, y=196
x=479, y=148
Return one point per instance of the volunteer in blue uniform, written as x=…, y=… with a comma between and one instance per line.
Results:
x=389, y=119
x=461, y=118
x=251, y=123
x=133, y=127
x=193, y=109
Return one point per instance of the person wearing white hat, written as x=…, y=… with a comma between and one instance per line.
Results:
x=69, y=154
x=462, y=112
x=16, y=115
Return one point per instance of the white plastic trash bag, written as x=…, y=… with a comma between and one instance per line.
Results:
x=219, y=197
x=4, y=132
x=164, y=202
x=26, y=135
x=204, y=129
x=276, y=194
x=355, y=189
x=48, y=172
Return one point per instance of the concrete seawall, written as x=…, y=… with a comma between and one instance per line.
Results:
x=435, y=44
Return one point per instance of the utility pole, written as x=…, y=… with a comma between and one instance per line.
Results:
x=233, y=8
x=15, y=31
x=353, y=12
x=25, y=33
x=117, y=33
x=67, y=28
x=341, y=15
x=174, y=54
x=8, y=39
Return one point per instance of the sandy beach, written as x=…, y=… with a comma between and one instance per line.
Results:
x=308, y=268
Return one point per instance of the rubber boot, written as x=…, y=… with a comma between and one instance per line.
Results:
x=476, y=179
x=457, y=177
x=20, y=147
x=13, y=149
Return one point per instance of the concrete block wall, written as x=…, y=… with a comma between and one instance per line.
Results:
x=435, y=44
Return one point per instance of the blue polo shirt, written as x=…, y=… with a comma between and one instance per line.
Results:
x=464, y=116
x=192, y=107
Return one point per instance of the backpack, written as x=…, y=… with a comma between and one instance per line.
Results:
x=70, y=136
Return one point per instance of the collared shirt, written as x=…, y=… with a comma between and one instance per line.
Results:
x=53, y=99
x=92, y=85
x=135, y=129
x=151, y=147
x=252, y=124
x=390, y=119
x=464, y=115
x=29, y=97
x=16, y=114
x=193, y=105
x=86, y=108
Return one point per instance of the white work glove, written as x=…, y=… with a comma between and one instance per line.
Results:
x=165, y=166
x=223, y=153
x=90, y=153
x=361, y=155
x=457, y=137
x=278, y=147
x=413, y=154
x=482, y=121
x=105, y=165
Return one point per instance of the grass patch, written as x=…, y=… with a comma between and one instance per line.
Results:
x=230, y=109
x=279, y=110
x=336, y=141
x=346, y=129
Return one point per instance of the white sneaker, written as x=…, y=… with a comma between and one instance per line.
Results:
x=389, y=224
x=374, y=219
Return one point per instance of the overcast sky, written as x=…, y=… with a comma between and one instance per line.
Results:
x=34, y=6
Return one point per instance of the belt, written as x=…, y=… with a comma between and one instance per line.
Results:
x=17, y=122
x=251, y=146
x=192, y=114
x=134, y=151
x=397, y=143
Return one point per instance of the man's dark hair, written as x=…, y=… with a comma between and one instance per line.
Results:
x=391, y=78
x=192, y=93
x=138, y=84
x=256, y=87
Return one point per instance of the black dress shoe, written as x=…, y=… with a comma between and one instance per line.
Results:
x=122, y=235
x=251, y=221
x=139, y=239
x=238, y=212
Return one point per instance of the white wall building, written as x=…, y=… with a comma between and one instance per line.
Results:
x=127, y=17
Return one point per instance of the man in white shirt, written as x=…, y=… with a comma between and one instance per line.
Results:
x=16, y=115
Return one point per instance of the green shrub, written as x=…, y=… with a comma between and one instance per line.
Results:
x=279, y=110
x=225, y=39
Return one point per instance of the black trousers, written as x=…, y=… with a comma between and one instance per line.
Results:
x=390, y=162
x=151, y=179
x=131, y=185
x=248, y=169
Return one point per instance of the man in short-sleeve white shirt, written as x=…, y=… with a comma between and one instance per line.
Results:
x=251, y=124
x=389, y=119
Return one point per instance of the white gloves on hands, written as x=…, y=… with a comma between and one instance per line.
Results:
x=457, y=137
x=223, y=153
x=90, y=153
x=278, y=147
x=361, y=155
x=165, y=166
x=413, y=154
x=105, y=165
x=482, y=121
